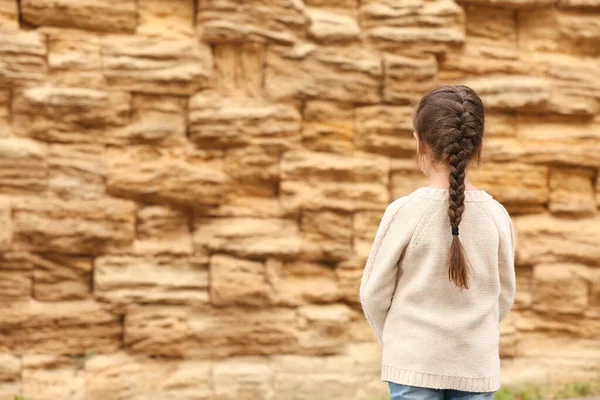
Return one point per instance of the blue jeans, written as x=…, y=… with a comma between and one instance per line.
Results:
x=403, y=392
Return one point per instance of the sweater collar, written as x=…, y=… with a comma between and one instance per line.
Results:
x=471, y=196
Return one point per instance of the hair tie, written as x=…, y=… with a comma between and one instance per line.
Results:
x=455, y=231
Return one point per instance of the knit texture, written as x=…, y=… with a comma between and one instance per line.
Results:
x=433, y=334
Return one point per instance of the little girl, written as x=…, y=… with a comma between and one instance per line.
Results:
x=434, y=294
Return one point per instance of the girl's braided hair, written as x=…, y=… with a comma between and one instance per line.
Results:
x=449, y=122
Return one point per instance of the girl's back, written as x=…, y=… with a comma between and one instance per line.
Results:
x=435, y=301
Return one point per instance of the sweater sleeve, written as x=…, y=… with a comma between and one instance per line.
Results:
x=380, y=275
x=506, y=270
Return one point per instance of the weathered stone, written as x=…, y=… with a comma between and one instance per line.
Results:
x=120, y=376
x=156, y=331
x=223, y=123
x=10, y=368
x=23, y=58
x=296, y=376
x=514, y=4
x=155, y=120
x=524, y=278
x=522, y=371
x=77, y=171
x=74, y=58
x=250, y=332
x=6, y=225
x=239, y=69
x=102, y=15
x=595, y=287
x=160, y=279
x=298, y=283
x=350, y=4
x=57, y=277
x=519, y=187
x=166, y=18
x=255, y=167
x=349, y=283
x=244, y=378
x=328, y=126
x=572, y=191
x=147, y=174
x=248, y=237
x=568, y=325
x=47, y=377
x=413, y=27
x=5, y=128
x=537, y=345
x=9, y=15
x=329, y=27
x=162, y=230
x=333, y=73
x=554, y=30
x=560, y=288
x=15, y=276
x=321, y=181
x=73, y=227
x=84, y=326
x=238, y=281
x=511, y=92
x=156, y=65
x=365, y=226
x=509, y=338
x=408, y=78
x=543, y=238
x=385, y=129
x=279, y=21
x=326, y=235
x=405, y=178
x=323, y=328
x=247, y=205
x=60, y=114
x=23, y=166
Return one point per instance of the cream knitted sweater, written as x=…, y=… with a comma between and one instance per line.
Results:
x=433, y=334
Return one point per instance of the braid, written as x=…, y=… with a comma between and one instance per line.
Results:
x=450, y=122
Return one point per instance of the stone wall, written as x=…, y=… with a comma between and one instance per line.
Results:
x=190, y=189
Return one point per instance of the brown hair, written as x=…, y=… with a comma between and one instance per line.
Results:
x=449, y=122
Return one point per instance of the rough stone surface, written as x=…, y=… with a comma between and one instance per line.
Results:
x=189, y=189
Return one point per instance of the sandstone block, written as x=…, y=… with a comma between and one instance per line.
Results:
x=406, y=177
x=349, y=283
x=9, y=15
x=515, y=4
x=524, y=277
x=156, y=331
x=325, y=73
x=328, y=127
x=5, y=224
x=60, y=114
x=543, y=345
x=323, y=328
x=160, y=279
x=23, y=166
x=326, y=181
x=103, y=15
x=152, y=176
x=385, y=129
x=10, y=368
x=560, y=288
x=166, y=18
x=365, y=226
x=279, y=21
x=84, y=326
x=15, y=276
x=509, y=338
x=572, y=191
x=155, y=120
x=57, y=277
x=338, y=4
x=47, y=377
x=223, y=123
x=543, y=238
x=250, y=205
x=511, y=92
x=239, y=69
x=77, y=171
x=73, y=227
x=326, y=235
x=255, y=168
x=298, y=283
x=162, y=230
x=408, y=78
x=23, y=59
x=156, y=65
x=244, y=378
x=329, y=27
x=74, y=58
x=517, y=186
x=5, y=128
x=595, y=287
x=248, y=237
x=558, y=324
x=238, y=281
x=119, y=376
